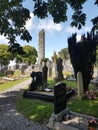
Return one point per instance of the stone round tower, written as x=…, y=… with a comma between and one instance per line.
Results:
x=41, y=46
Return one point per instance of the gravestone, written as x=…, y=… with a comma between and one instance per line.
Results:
x=54, y=70
x=59, y=70
x=59, y=97
x=44, y=75
x=59, y=105
x=36, y=80
x=49, y=72
x=49, y=65
x=80, y=85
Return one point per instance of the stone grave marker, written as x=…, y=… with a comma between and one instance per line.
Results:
x=80, y=85
x=59, y=97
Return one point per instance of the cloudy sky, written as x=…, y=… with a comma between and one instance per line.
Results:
x=56, y=35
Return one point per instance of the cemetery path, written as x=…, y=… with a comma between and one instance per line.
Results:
x=10, y=119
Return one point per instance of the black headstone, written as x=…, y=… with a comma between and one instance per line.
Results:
x=59, y=97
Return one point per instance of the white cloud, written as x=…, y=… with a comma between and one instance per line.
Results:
x=87, y=29
x=3, y=40
x=78, y=37
x=38, y=24
x=49, y=25
x=75, y=30
x=29, y=23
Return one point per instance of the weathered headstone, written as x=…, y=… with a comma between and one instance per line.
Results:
x=49, y=72
x=49, y=65
x=44, y=75
x=54, y=70
x=41, y=46
x=80, y=85
x=59, y=70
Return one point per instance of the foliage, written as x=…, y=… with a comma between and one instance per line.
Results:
x=5, y=56
x=13, y=17
x=64, y=54
x=29, y=56
x=83, y=56
x=97, y=55
x=44, y=60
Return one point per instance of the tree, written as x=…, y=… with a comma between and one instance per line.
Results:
x=30, y=54
x=13, y=16
x=64, y=54
x=83, y=56
x=5, y=56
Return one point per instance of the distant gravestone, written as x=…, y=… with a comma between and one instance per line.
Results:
x=59, y=97
x=59, y=75
x=49, y=72
x=54, y=70
x=44, y=75
x=80, y=85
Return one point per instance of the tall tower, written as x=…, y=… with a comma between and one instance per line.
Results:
x=41, y=46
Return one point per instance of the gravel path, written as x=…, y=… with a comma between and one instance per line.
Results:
x=10, y=119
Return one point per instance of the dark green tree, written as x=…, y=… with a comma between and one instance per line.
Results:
x=13, y=17
x=83, y=56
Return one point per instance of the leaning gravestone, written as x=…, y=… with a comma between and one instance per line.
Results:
x=80, y=85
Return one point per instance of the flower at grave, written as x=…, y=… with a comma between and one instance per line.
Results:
x=90, y=94
x=68, y=88
x=91, y=122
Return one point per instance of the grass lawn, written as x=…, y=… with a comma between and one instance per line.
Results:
x=38, y=110
x=34, y=109
x=8, y=84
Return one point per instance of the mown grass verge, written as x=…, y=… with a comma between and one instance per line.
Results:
x=34, y=109
x=9, y=84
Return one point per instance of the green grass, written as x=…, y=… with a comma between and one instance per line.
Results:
x=33, y=109
x=88, y=107
x=1, y=75
x=9, y=84
x=38, y=110
x=71, y=84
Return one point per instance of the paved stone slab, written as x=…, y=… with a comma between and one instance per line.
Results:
x=61, y=126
